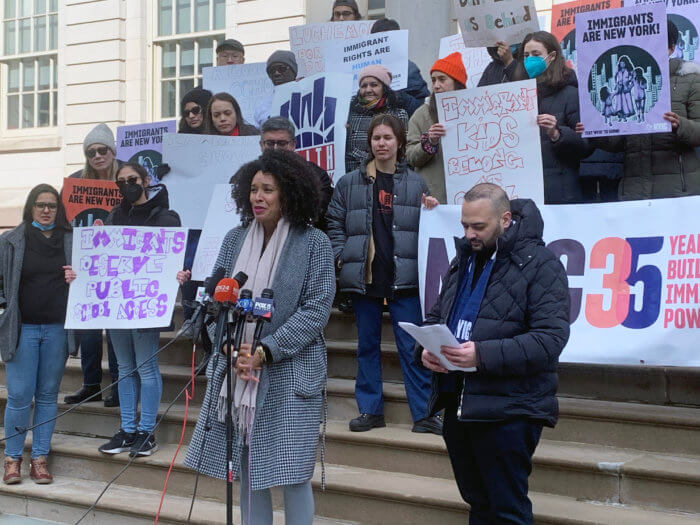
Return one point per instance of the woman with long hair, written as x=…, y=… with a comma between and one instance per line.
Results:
x=35, y=272
x=423, y=150
x=192, y=108
x=224, y=117
x=624, y=82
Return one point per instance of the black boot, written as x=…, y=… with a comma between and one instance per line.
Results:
x=84, y=393
x=113, y=399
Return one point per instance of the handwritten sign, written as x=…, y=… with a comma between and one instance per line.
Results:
x=198, y=163
x=309, y=42
x=221, y=218
x=89, y=201
x=388, y=49
x=492, y=136
x=318, y=106
x=484, y=22
x=247, y=83
x=125, y=276
x=143, y=144
x=475, y=59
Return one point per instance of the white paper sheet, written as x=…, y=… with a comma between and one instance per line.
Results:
x=432, y=337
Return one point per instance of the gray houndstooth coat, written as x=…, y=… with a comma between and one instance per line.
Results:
x=290, y=393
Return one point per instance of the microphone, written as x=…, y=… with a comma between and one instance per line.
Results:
x=263, y=308
x=193, y=326
x=225, y=295
x=244, y=307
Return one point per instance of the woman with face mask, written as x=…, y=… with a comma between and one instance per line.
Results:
x=224, y=117
x=373, y=98
x=142, y=205
x=557, y=95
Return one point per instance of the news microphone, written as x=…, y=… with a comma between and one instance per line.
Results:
x=263, y=308
x=225, y=295
x=244, y=307
x=226, y=284
x=193, y=326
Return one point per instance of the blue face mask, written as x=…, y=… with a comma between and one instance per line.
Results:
x=42, y=227
x=534, y=66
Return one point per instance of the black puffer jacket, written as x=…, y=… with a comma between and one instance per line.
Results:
x=154, y=212
x=350, y=226
x=560, y=159
x=521, y=328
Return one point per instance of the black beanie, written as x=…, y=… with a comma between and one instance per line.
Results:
x=198, y=95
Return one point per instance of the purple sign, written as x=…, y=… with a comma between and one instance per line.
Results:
x=143, y=144
x=623, y=65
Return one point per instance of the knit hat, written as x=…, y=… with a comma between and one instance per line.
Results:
x=283, y=57
x=381, y=73
x=100, y=134
x=197, y=95
x=230, y=43
x=452, y=66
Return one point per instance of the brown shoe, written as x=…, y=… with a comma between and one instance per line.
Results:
x=12, y=471
x=39, y=472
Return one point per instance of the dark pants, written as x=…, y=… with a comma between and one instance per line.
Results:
x=491, y=464
x=368, y=385
x=91, y=357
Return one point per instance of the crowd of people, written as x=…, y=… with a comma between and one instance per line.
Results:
x=307, y=240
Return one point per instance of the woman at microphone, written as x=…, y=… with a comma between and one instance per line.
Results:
x=279, y=384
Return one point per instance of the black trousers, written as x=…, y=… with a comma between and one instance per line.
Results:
x=491, y=464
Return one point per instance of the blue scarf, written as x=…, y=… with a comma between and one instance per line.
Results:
x=44, y=228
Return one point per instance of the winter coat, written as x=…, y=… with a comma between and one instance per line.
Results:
x=497, y=73
x=356, y=149
x=560, y=159
x=12, y=245
x=416, y=91
x=659, y=165
x=154, y=212
x=350, y=227
x=520, y=330
x=326, y=192
x=599, y=175
x=429, y=166
x=290, y=393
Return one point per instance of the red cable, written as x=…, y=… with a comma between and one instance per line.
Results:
x=188, y=396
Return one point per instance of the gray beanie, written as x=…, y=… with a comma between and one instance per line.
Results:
x=283, y=57
x=100, y=134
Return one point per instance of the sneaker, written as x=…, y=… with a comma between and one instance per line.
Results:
x=144, y=444
x=432, y=424
x=13, y=468
x=365, y=422
x=39, y=472
x=120, y=442
x=83, y=394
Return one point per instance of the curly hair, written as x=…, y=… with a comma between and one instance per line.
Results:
x=299, y=187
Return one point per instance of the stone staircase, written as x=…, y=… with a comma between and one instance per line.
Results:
x=626, y=451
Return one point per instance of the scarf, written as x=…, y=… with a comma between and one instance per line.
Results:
x=260, y=266
x=377, y=103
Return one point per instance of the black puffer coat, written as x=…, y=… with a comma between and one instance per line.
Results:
x=521, y=328
x=154, y=212
x=560, y=159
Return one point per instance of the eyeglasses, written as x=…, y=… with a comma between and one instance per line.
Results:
x=102, y=150
x=339, y=15
x=131, y=180
x=273, y=144
x=280, y=69
x=194, y=111
x=51, y=206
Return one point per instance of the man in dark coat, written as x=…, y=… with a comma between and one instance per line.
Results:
x=506, y=299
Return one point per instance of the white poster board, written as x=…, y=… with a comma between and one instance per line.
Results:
x=125, y=277
x=221, y=218
x=484, y=22
x=197, y=164
x=475, y=59
x=318, y=106
x=388, y=49
x=633, y=276
x=247, y=83
x=492, y=136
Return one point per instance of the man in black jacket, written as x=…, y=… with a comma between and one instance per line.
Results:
x=506, y=299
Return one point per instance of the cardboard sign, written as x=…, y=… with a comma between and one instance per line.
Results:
x=624, y=88
x=633, y=272
x=125, y=277
x=475, y=59
x=143, y=144
x=492, y=136
x=485, y=22
x=89, y=201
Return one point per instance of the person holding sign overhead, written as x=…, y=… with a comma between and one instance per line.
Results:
x=224, y=117
x=423, y=150
x=35, y=271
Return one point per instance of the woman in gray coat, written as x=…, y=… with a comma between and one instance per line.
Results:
x=280, y=384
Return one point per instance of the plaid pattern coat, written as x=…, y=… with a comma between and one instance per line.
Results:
x=291, y=389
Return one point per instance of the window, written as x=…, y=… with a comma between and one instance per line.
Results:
x=28, y=63
x=188, y=33
x=376, y=9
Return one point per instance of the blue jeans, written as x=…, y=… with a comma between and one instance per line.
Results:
x=91, y=357
x=368, y=385
x=34, y=373
x=132, y=348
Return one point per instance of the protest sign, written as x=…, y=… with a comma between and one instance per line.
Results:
x=143, y=144
x=247, y=83
x=622, y=55
x=475, y=59
x=388, y=49
x=318, y=106
x=198, y=163
x=634, y=294
x=221, y=218
x=125, y=277
x=89, y=201
x=485, y=22
x=309, y=42
x=492, y=136
x=564, y=28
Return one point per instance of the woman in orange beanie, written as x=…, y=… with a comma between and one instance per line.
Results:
x=424, y=131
